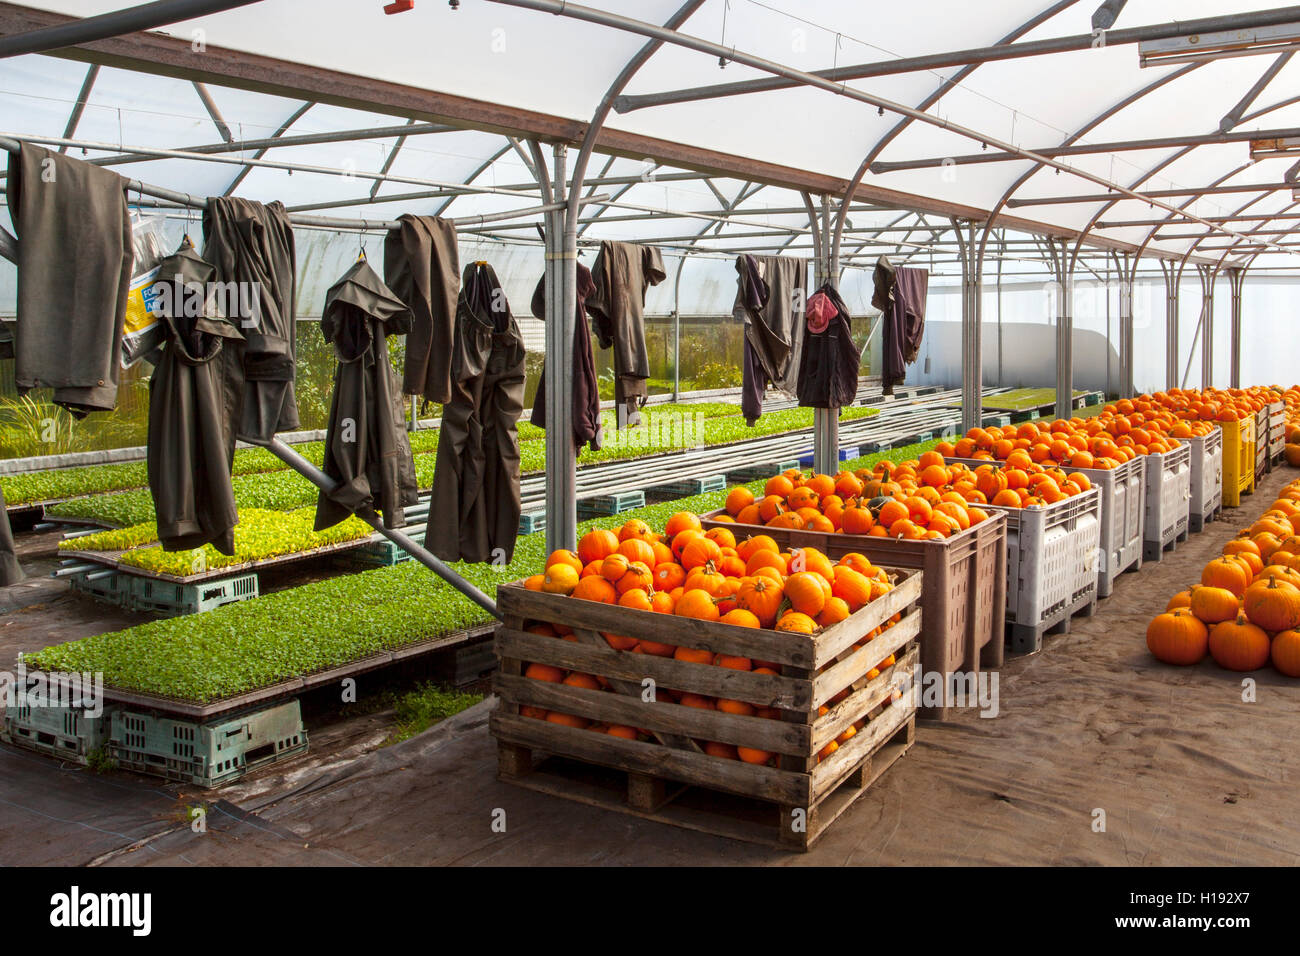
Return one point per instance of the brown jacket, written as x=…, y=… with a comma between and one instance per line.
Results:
x=74, y=272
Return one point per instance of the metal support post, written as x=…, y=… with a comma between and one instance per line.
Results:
x=561, y=300
x=826, y=421
x=1063, y=270
x=1236, y=281
x=972, y=353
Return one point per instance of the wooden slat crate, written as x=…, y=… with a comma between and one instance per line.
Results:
x=965, y=589
x=787, y=802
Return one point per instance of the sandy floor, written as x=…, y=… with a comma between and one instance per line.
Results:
x=1184, y=770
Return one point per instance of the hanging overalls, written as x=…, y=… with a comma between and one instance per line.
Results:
x=366, y=447
x=195, y=394
x=474, y=509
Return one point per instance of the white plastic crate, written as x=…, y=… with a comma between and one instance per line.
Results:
x=1206, y=481
x=1168, y=500
x=1052, y=558
x=1123, y=518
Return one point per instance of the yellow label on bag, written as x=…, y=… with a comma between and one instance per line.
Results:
x=138, y=316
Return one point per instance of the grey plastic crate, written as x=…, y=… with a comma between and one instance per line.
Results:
x=1123, y=520
x=1206, y=501
x=1168, y=500
x=65, y=732
x=1052, y=560
x=205, y=755
x=1122, y=517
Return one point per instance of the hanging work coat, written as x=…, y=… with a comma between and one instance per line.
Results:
x=770, y=296
x=367, y=450
x=474, y=509
x=11, y=571
x=900, y=294
x=828, y=368
x=622, y=273
x=195, y=394
x=586, y=388
x=252, y=246
x=74, y=272
x=422, y=267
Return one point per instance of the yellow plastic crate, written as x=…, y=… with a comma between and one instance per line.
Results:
x=1238, y=461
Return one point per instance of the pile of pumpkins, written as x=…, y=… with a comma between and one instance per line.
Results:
x=686, y=571
x=1246, y=610
x=922, y=498
x=1292, y=451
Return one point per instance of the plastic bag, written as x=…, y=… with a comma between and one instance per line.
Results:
x=141, y=333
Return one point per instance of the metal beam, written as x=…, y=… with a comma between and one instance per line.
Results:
x=943, y=61
x=390, y=159
x=146, y=16
x=1084, y=149
x=663, y=34
x=284, y=128
x=1233, y=117
x=79, y=107
x=209, y=104
x=1105, y=15
x=1155, y=194
x=1126, y=223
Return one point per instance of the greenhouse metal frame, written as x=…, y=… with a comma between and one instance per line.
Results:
x=1145, y=225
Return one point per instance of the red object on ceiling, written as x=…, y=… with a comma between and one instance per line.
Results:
x=399, y=6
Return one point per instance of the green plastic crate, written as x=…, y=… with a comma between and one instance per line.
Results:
x=687, y=487
x=762, y=470
x=64, y=732
x=206, y=755
x=604, y=505
x=171, y=599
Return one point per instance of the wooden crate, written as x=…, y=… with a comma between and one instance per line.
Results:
x=788, y=804
x=964, y=601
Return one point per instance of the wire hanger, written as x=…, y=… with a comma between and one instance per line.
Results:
x=361, y=252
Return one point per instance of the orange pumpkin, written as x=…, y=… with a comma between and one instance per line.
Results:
x=1212, y=605
x=596, y=545
x=697, y=604
x=1238, y=645
x=1273, y=605
x=1286, y=649
x=796, y=623
x=762, y=597
x=804, y=592
x=1226, y=573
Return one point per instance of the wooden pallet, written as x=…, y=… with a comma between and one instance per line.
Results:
x=702, y=809
x=834, y=668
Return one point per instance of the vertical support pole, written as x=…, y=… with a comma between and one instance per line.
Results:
x=561, y=301
x=1127, y=273
x=677, y=329
x=826, y=421
x=1172, y=275
x=1208, y=275
x=1063, y=266
x=1001, y=259
x=972, y=356
x=1236, y=281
